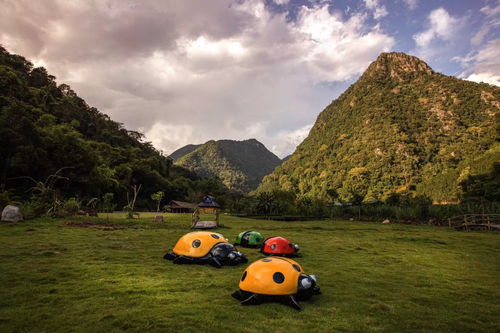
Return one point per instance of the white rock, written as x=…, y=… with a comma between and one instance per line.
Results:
x=386, y=222
x=11, y=214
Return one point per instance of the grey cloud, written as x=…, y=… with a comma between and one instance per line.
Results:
x=190, y=71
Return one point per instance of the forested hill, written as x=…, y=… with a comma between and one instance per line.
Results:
x=240, y=165
x=45, y=126
x=401, y=129
x=183, y=151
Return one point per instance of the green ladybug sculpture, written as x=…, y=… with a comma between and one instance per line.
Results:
x=249, y=239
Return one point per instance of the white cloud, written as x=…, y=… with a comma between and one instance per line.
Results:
x=485, y=77
x=442, y=31
x=290, y=140
x=379, y=11
x=412, y=4
x=441, y=26
x=483, y=65
x=189, y=71
x=492, y=15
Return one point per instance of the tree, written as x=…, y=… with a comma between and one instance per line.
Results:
x=131, y=201
x=158, y=196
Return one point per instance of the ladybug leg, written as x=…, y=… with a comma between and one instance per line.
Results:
x=215, y=262
x=252, y=300
x=293, y=302
x=182, y=260
x=170, y=256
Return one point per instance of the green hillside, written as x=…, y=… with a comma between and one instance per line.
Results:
x=183, y=151
x=240, y=165
x=45, y=127
x=401, y=128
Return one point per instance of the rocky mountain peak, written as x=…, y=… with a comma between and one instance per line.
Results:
x=397, y=65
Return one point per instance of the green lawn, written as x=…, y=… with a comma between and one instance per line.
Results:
x=374, y=277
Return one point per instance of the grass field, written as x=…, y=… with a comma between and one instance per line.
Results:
x=397, y=278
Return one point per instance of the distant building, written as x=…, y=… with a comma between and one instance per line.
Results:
x=175, y=206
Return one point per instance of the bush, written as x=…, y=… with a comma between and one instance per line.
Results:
x=70, y=207
x=32, y=209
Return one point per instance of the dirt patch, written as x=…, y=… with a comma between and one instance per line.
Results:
x=104, y=226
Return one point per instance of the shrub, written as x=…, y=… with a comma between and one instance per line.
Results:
x=32, y=209
x=71, y=207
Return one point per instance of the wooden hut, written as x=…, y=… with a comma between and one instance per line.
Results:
x=207, y=206
x=176, y=206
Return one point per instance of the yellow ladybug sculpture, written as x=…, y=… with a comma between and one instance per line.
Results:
x=276, y=279
x=202, y=247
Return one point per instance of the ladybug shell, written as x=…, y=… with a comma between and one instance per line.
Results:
x=277, y=245
x=197, y=244
x=271, y=276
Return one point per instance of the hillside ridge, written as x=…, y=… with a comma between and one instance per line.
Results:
x=240, y=165
x=400, y=129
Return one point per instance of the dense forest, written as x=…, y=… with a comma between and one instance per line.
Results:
x=401, y=131
x=240, y=165
x=54, y=147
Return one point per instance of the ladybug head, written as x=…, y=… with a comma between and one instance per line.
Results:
x=228, y=254
x=307, y=286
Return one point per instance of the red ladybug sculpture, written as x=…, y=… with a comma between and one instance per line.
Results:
x=279, y=246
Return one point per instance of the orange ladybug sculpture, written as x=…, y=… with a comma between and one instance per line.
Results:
x=276, y=279
x=202, y=247
x=279, y=246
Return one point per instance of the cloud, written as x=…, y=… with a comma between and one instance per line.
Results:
x=291, y=139
x=412, y=4
x=483, y=65
x=379, y=11
x=441, y=27
x=492, y=15
x=189, y=71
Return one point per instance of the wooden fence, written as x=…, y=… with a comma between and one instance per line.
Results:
x=475, y=222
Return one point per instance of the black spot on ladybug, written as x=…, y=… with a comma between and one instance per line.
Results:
x=266, y=260
x=244, y=276
x=278, y=277
x=215, y=236
x=196, y=243
x=273, y=246
x=297, y=268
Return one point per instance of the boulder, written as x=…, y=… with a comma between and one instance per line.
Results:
x=11, y=214
x=386, y=222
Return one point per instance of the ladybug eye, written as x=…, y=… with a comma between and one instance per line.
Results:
x=306, y=283
x=296, y=246
x=196, y=243
x=273, y=246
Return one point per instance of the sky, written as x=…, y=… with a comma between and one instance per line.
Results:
x=188, y=71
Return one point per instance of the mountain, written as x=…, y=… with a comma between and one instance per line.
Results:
x=183, y=151
x=401, y=129
x=45, y=127
x=240, y=165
